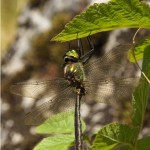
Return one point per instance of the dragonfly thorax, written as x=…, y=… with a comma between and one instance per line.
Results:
x=74, y=73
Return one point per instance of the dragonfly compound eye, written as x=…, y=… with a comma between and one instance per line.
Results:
x=72, y=56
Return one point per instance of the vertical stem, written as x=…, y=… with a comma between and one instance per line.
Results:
x=77, y=123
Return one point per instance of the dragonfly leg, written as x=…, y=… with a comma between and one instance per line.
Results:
x=90, y=42
x=88, y=55
x=80, y=46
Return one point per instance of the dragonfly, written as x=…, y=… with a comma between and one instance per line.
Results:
x=83, y=80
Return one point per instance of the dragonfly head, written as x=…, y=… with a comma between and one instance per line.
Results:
x=71, y=56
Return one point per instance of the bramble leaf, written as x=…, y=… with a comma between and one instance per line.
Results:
x=61, y=142
x=138, y=50
x=113, y=135
x=140, y=95
x=143, y=144
x=104, y=17
x=59, y=124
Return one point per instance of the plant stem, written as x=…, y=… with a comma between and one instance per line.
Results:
x=77, y=123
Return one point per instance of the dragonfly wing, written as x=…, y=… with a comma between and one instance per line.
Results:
x=107, y=65
x=110, y=91
x=64, y=101
x=39, y=89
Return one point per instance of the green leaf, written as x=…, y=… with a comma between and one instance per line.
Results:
x=138, y=50
x=143, y=144
x=113, y=135
x=59, y=124
x=140, y=95
x=124, y=147
x=61, y=142
x=104, y=17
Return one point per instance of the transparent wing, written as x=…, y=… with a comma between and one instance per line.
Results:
x=107, y=65
x=64, y=101
x=110, y=91
x=38, y=89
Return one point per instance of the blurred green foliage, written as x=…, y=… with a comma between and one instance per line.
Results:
x=9, y=12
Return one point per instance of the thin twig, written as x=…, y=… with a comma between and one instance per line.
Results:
x=133, y=42
x=77, y=122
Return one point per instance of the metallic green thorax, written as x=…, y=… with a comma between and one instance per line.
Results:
x=73, y=70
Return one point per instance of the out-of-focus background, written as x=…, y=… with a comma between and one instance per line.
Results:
x=27, y=53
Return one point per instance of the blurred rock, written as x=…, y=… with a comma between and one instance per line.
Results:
x=31, y=56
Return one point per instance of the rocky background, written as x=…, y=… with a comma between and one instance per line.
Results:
x=28, y=53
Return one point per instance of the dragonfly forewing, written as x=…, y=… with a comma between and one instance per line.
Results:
x=111, y=91
x=38, y=89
